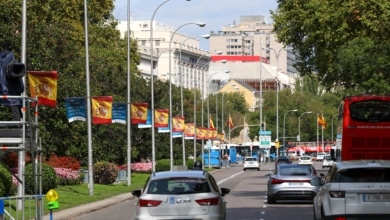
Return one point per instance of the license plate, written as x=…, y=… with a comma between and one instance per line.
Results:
x=295, y=184
x=376, y=197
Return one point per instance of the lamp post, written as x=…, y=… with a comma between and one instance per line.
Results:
x=277, y=89
x=181, y=93
x=223, y=96
x=170, y=88
x=284, y=127
x=332, y=124
x=208, y=105
x=299, y=127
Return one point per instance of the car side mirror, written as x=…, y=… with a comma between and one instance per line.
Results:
x=224, y=191
x=268, y=174
x=137, y=193
x=316, y=182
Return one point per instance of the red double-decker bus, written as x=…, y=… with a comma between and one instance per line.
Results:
x=364, y=127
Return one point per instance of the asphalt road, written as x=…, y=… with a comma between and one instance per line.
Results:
x=246, y=201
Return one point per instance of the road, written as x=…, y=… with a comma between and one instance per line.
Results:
x=246, y=200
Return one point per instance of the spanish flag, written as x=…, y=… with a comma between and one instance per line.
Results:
x=321, y=121
x=178, y=124
x=161, y=118
x=102, y=110
x=139, y=113
x=43, y=85
x=211, y=123
x=230, y=122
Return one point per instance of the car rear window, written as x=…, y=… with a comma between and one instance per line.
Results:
x=305, y=158
x=364, y=175
x=178, y=186
x=295, y=171
x=250, y=159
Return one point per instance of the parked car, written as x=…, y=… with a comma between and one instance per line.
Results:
x=190, y=194
x=327, y=162
x=251, y=163
x=292, y=182
x=356, y=189
x=305, y=160
x=320, y=156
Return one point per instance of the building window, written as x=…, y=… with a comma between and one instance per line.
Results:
x=158, y=42
x=143, y=42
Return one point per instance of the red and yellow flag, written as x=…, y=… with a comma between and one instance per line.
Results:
x=139, y=113
x=214, y=134
x=43, y=85
x=102, y=110
x=211, y=123
x=230, y=122
x=189, y=130
x=321, y=121
x=161, y=118
x=178, y=124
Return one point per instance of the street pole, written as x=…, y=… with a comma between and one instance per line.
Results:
x=284, y=128
x=299, y=127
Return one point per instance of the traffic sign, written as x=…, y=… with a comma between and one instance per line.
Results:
x=277, y=145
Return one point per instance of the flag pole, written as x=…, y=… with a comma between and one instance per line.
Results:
x=317, y=131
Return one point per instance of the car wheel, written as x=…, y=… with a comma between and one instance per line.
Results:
x=244, y=169
x=258, y=169
x=271, y=200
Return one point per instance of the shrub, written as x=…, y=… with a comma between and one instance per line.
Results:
x=67, y=176
x=49, y=178
x=5, y=181
x=138, y=167
x=105, y=172
x=63, y=162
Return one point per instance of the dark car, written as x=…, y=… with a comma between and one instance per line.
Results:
x=282, y=160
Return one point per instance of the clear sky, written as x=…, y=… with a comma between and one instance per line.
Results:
x=215, y=13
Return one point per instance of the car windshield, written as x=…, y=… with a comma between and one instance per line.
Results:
x=364, y=175
x=328, y=157
x=294, y=171
x=178, y=186
x=305, y=158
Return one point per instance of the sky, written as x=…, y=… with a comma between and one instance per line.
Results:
x=215, y=13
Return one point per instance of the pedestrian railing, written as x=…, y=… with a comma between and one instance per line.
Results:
x=21, y=207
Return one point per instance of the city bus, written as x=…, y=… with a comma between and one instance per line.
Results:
x=364, y=128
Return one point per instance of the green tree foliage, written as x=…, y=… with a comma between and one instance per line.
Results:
x=344, y=42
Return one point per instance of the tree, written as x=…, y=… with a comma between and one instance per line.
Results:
x=343, y=42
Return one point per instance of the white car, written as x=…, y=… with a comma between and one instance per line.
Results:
x=327, y=162
x=320, y=156
x=305, y=160
x=251, y=163
x=356, y=189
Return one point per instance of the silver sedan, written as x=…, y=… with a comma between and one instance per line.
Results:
x=292, y=182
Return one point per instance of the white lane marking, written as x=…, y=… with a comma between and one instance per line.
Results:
x=229, y=177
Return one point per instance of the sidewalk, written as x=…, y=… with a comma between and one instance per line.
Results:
x=71, y=213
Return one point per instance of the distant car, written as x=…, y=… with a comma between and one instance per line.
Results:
x=327, y=162
x=355, y=190
x=292, y=182
x=181, y=195
x=305, y=160
x=320, y=156
x=251, y=163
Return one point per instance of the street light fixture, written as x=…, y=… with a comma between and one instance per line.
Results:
x=277, y=87
x=284, y=128
x=299, y=127
x=170, y=89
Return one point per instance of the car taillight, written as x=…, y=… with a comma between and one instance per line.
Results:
x=337, y=194
x=280, y=181
x=340, y=218
x=207, y=202
x=149, y=203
